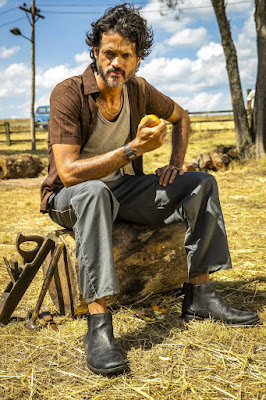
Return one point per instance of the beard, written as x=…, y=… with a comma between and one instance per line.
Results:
x=113, y=81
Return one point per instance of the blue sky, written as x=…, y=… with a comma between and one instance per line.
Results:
x=187, y=61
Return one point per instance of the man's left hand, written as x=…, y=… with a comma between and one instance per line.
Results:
x=167, y=174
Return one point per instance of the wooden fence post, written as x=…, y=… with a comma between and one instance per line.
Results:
x=7, y=129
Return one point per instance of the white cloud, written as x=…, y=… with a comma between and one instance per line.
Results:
x=248, y=72
x=202, y=83
x=167, y=74
x=16, y=69
x=48, y=79
x=209, y=51
x=197, y=9
x=82, y=58
x=5, y=53
x=205, y=101
x=186, y=75
x=188, y=37
x=2, y=2
x=4, y=92
x=15, y=85
x=152, y=12
x=191, y=11
x=246, y=48
x=21, y=110
x=13, y=81
x=51, y=77
x=43, y=100
x=159, y=49
x=249, y=26
x=246, y=40
x=247, y=52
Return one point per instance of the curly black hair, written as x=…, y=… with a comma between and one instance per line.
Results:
x=126, y=20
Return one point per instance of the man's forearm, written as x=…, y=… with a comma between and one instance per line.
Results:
x=73, y=170
x=180, y=134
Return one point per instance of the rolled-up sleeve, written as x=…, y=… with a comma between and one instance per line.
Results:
x=158, y=103
x=65, y=106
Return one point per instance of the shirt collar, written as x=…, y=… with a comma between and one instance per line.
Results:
x=89, y=81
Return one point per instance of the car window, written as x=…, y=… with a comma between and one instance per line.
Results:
x=42, y=110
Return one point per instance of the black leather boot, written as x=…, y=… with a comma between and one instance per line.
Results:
x=104, y=356
x=202, y=301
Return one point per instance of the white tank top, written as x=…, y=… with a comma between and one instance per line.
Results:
x=108, y=136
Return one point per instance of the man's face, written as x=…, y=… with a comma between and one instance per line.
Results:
x=116, y=59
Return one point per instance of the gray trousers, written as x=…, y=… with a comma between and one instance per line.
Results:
x=90, y=208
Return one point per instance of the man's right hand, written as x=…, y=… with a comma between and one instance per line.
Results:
x=148, y=138
x=73, y=170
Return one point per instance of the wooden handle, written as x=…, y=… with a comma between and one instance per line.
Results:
x=28, y=255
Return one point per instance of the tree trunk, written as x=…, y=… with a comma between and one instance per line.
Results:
x=243, y=138
x=260, y=97
x=148, y=260
x=23, y=166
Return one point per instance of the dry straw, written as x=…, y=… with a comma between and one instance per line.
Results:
x=168, y=359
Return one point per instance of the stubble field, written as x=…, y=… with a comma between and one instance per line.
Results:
x=168, y=359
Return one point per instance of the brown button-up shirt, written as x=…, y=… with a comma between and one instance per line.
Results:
x=73, y=114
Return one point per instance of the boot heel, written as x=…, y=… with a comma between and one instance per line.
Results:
x=189, y=318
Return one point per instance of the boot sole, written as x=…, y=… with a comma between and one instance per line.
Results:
x=107, y=371
x=189, y=318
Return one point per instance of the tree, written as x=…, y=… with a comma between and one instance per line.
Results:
x=260, y=97
x=243, y=136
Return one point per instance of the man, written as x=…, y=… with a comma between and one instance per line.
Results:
x=96, y=143
x=250, y=99
x=250, y=102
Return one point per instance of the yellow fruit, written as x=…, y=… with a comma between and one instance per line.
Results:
x=154, y=120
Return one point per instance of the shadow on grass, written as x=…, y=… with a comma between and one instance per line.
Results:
x=240, y=294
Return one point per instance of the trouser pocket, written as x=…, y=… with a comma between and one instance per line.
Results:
x=62, y=218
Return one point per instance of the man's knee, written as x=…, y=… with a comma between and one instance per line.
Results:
x=204, y=180
x=92, y=195
x=209, y=182
x=93, y=189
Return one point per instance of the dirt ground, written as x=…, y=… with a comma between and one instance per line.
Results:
x=168, y=358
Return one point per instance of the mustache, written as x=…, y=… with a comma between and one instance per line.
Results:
x=113, y=69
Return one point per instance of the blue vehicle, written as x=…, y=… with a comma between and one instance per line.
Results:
x=42, y=116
